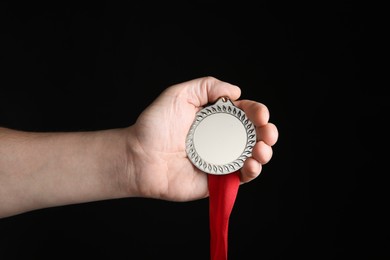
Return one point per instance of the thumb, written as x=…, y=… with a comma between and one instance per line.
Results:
x=208, y=89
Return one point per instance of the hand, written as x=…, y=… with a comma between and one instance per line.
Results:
x=157, y=164
x=147, y=159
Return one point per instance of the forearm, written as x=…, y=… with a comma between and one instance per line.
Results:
x=39, y=170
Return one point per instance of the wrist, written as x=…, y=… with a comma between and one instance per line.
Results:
x=112, y=162
x=131, y=183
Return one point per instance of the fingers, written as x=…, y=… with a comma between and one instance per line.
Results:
x=268, y=134
x=261, y=154
x=256, y=112
x=250, y=170
x=208, y=89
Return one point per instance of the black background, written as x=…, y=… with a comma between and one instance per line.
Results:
x=72, y=67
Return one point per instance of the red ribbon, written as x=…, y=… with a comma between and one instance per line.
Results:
x=222, y=195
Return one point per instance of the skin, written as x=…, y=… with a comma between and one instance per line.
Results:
x=146, y=159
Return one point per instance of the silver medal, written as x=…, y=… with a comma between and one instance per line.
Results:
x=221, y=138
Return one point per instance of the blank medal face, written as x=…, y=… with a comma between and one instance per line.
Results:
x=221, y=138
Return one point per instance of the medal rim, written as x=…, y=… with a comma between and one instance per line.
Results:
x=222, y=105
